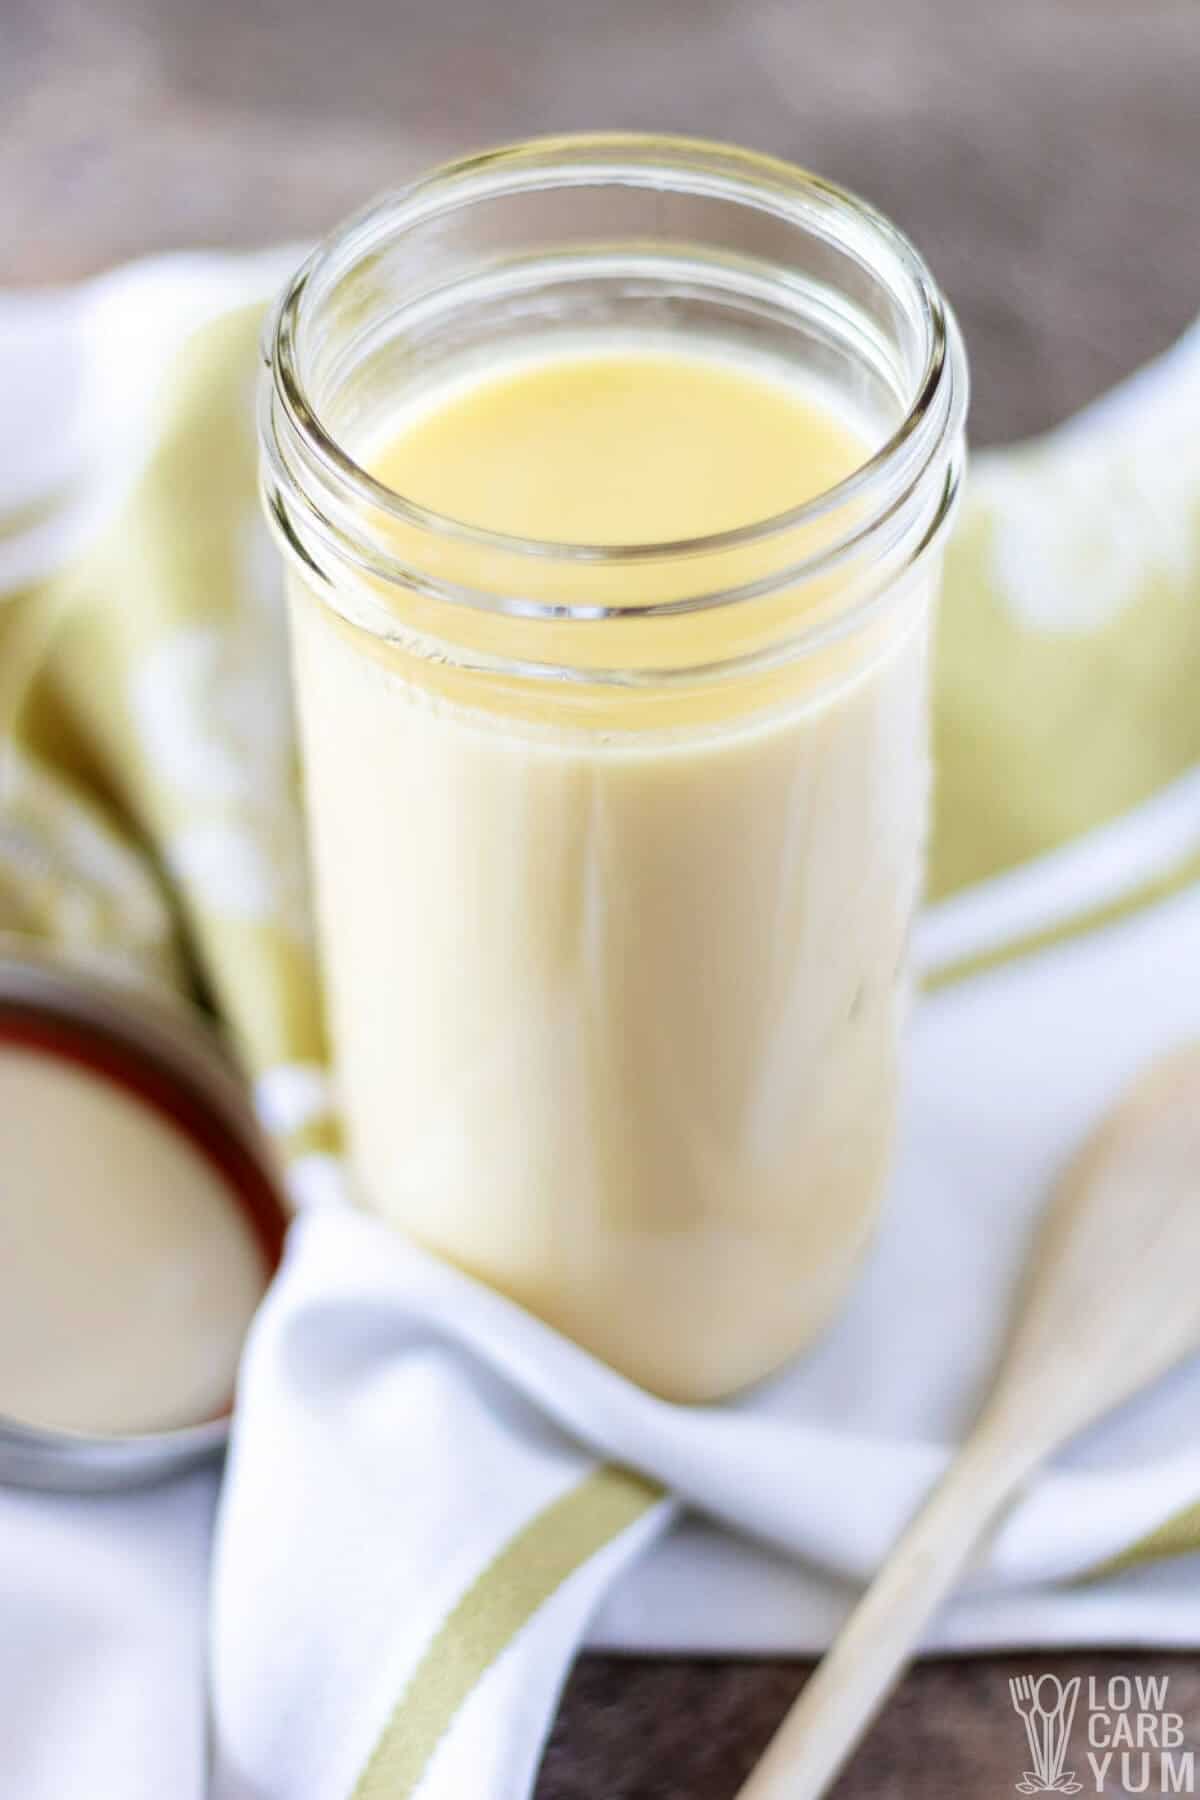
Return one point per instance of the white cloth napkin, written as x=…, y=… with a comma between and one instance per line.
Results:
x=432, y=1500
x=102, y=1642
x=427, y=1503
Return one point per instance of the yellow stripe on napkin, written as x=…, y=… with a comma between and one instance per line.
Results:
x=490, y=1614
x=1157, y=888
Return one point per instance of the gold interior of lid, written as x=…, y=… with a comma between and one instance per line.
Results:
x=109, y=1306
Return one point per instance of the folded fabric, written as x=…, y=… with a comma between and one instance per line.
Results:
x=439, y=1486
x=430, y=1495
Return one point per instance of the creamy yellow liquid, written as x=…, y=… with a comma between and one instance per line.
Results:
x=620, y=448
x=616, y=1007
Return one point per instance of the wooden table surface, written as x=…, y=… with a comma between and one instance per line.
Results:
x=1044, y=153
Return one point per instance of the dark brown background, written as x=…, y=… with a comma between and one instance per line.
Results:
x=1044, y=153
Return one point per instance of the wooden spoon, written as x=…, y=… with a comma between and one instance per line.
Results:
x=1111, y=1301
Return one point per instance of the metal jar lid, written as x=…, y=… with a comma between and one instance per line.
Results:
x=156, y=1047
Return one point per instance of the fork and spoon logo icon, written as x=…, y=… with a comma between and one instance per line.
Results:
x=1046, y=1707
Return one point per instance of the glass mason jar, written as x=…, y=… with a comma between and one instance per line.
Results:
x=616, y=847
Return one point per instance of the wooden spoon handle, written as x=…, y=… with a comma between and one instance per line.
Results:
x=846, y=1690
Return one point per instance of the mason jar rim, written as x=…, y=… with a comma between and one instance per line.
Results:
x=932, y=416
